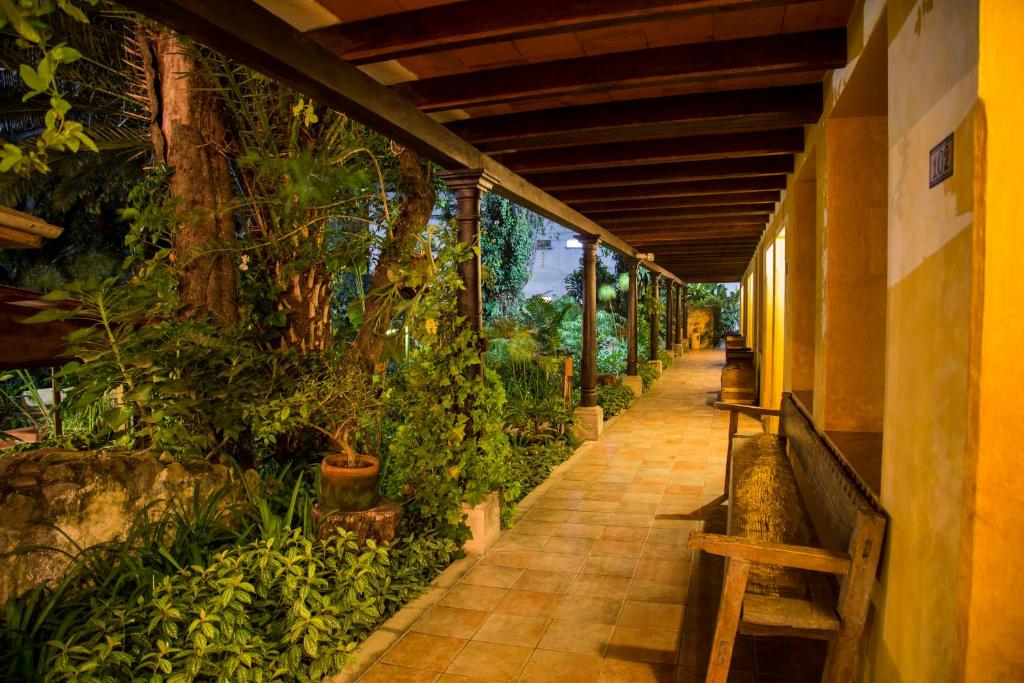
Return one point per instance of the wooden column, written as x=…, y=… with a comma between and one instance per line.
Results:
x=631, y=319
x=467, y=184
x=588, y=358
x=654, y=299
x=680, y=313
x=670, y=312
x=683, y=328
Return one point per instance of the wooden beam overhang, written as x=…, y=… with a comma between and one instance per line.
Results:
x=23, y=231
x=730, y=199
x=584, y=197
x=254, y=36
x=643, y=215
x=694, y=148
x=478, y=22
x=705, y=113
x=659, y=173
x=813, y=51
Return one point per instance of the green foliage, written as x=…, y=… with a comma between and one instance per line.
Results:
x=449, y=446
x=26, y=23
x=614, y=398
x=506, y=253
x=666, y=359
x=724, y=304
x=611, y=341
x=188, y=596
x=648, y=375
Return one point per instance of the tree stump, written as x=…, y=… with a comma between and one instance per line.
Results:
x=379, y=522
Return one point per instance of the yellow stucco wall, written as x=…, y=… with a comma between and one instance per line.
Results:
x=992, y=590
x=932, y=81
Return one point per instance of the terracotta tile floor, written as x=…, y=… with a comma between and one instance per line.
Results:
x=594, y=582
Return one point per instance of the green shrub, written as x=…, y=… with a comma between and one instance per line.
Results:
x=648, y=375
x=666, y=359
x=614, y=398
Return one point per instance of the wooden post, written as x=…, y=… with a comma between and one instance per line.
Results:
x=468, y=185
x=631, y=319
x=680, y=313
x=655, y=299
x=588, y=358
x=685, y=329
x=670, y=309
x=58, y=420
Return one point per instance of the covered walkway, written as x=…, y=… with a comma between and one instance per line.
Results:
x=594, y=581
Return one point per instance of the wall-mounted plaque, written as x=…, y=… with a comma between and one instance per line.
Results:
x=940, y=161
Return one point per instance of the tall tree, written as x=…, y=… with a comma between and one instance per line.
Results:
x=188, y=134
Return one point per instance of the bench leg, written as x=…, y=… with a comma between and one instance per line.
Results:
x=734, y=421
x=728, y=620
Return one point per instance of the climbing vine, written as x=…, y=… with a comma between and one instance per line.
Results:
x=506, y=253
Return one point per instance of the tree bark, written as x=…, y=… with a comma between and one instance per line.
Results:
x=418, y=197
x=188, y=132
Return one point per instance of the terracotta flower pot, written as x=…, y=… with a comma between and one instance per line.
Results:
x=349, y=489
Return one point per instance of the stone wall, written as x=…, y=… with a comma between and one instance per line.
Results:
x=91, y=496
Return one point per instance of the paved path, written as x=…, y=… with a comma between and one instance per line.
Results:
x=594, y=582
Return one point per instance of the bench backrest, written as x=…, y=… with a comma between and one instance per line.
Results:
x=840, y=505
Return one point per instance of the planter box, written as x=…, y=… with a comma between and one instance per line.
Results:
x=484, y=520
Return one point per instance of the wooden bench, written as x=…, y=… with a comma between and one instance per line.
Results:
x=802, y=547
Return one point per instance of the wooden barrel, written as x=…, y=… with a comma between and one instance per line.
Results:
x=738, y=383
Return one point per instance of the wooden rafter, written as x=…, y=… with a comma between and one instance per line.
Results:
x=584, y=197
x=812, y=51
x=684, y=170
x=705, y=113
x=729, y=199
x=644, y=215
x=22, y=231
x=478, y=22
x=694, y=148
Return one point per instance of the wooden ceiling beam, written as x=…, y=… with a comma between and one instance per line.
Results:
x=585, y=197
x=729, y=199
x=761, y=56
x=660, y=173
x=685, y=213
x=704, y=113
x=479, y=22
x=694, y=148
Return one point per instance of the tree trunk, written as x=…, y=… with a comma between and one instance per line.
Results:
x=188, y=131
x=307, y=301
x=418, y=196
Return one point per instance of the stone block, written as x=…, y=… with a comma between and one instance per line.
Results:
x=657, y=366
x=589, y=423
x=635, y=384
x=484, y=520
x=677, y=350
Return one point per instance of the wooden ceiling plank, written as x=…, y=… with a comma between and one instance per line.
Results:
x=694, y=148
x=686, y=212
x=730, y=111
x=584, y=197
x=479, y=22
x=727, y=199
x=716, y=60
x=660, y=173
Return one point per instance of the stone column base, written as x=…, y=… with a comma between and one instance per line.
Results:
x=657, y=366
x=686, y=344
x=634, y=383
x=484, y=520
x=589, y=423
x=677, y=349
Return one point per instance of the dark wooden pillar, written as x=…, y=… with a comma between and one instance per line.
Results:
x=468, y=184
x=655, y=299
x=670, y=315
x=588, y=357
x=631, y=319
x=680, y=313
x=684, y=328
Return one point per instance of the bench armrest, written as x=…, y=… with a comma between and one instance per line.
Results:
x=753, y=411
x=782, y=554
